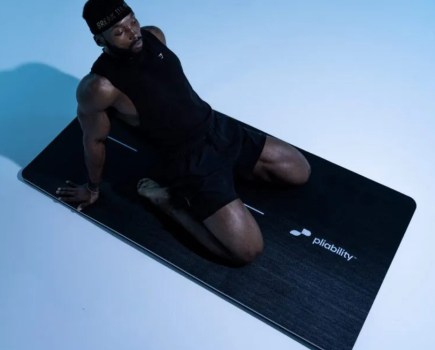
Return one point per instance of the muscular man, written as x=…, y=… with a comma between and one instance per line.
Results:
x=200, y=150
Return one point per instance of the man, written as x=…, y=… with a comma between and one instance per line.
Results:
x=200, y=150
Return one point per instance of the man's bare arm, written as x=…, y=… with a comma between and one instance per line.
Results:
x=94, y=95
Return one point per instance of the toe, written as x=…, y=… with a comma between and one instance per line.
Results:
x=147, y=183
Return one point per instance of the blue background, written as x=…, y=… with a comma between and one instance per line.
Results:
x=350, y=81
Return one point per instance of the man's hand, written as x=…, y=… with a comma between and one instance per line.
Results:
x=80, y=194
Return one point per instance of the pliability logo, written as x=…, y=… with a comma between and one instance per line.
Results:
x=324, y=244
x=304, y=232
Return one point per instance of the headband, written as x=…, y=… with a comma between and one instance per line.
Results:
x=100, y=15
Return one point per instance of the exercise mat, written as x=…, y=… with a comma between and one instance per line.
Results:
x=328, y=244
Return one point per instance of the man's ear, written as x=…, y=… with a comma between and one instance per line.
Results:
x=99, y=40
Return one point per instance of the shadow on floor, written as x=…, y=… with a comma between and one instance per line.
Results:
x=36, y=103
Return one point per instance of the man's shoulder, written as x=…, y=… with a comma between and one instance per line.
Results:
x=157, y=32
x=96, y=90
x=94, y=83
x=90, y=83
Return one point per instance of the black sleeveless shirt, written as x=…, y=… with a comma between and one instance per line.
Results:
x=171, y=113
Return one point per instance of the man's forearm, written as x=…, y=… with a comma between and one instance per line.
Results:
x=95, y=155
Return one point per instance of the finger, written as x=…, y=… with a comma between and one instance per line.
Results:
x=66, y=191
x=146, y=184
x=82, y=206
x=70, y=183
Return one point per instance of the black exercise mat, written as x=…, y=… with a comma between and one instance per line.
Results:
x=328, y=244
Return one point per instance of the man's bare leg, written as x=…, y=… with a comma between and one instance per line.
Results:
x=238, y=231
x=281, y=163
x=231, y=233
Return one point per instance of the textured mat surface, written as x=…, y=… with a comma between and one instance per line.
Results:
x=328, y=244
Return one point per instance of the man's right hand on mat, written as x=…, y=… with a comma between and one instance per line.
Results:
x=80, y=194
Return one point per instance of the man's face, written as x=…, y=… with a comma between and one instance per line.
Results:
x=124, y=35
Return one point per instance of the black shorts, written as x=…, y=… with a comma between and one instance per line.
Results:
x=202, y=177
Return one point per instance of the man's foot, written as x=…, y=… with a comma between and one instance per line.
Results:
x=152, y=191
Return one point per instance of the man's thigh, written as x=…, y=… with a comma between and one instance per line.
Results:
x=281, y=162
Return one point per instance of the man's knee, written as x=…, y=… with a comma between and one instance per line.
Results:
x=248, y=246
x=291, y=169
x=237, y=231
x=301, y=171
x=247, y=253
x=283, y=163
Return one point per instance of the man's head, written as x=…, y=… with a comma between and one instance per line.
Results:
x=114, y=26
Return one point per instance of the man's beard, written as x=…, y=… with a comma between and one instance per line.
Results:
x=123, y=53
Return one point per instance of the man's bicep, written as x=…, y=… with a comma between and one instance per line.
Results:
x=94, y=95
x=95, y=126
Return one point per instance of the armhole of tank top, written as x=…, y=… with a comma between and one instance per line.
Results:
x=99, y=66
